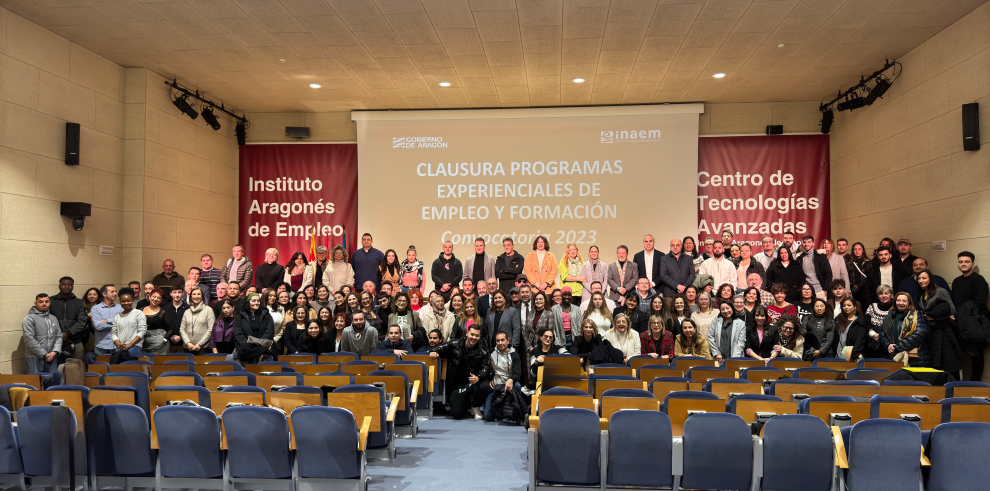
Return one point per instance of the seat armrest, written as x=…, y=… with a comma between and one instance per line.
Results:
x=363, y=433
x=924, y=460
x=390, y=417
x=840, y=449
x=415, y=392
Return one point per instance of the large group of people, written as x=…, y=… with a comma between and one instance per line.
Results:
x=496, y=319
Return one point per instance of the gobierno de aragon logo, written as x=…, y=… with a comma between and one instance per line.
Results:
x=418, y=142
x=630, y=136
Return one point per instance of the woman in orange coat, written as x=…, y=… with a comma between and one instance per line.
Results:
x=541, y=265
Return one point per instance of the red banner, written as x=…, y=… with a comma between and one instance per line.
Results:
x=290, y=192
x=760, y=185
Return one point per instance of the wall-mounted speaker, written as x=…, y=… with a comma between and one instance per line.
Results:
x=297, y=131
x=775, y=129
x=71, y=143
x=971, y=126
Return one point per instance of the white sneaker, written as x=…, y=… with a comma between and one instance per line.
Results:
x=477, y=413
x=527, y=392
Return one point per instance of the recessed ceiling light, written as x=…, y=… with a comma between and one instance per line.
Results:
x=315, y=86
x=781, y=45
x=719, y=75
x=445, y=84
x=578, y=80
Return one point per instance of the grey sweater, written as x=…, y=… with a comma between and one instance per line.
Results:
x=361, y=344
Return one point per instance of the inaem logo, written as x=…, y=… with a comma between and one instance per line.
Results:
x=418, y=142
x=629, y=136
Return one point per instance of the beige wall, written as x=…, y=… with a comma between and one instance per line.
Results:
x=898, y=167
x=718, y=119
x=145, y=208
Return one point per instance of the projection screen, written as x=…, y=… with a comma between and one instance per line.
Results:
x=586, y=175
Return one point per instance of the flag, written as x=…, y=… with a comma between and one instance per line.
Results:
x=312, y=247
x=343, y=240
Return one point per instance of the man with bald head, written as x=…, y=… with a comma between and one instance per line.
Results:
x=910, y=284
x=168, y=279
x=676, y=270
x=648, y=262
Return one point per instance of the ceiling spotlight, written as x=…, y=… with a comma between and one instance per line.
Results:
x=315, y=86
x=882, y=85
x=183, y=105
x=210, y=118
x=578, y=80
x=827, y=117
x=241, y=132
x=445, y=84
x=781, y=45
x=719, y=75
x=853, y=101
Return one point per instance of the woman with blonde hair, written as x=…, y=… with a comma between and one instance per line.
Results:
x=339, y=272
x=468, y=317
x=197, y=324
x=837, y=262
x=702, y=319
x=541, y=265
x=598, y=313
x=570, y=272
x=271, y=273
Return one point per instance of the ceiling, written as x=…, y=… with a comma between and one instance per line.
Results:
x=261, y=55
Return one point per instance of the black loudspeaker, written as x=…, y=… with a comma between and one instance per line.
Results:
x=971, y=126
x=775, y=129
x=71, y=143
x=297, y=131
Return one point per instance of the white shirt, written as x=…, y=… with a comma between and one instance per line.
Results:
x=648, y=261
x=539, y=257
x=764, y=259
x=887, y=276
x=609, y=304
x=722, y=271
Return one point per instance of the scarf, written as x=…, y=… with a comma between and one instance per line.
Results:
x=573, y=267
x=725, y=338
x=909, y=324
x=884, y=307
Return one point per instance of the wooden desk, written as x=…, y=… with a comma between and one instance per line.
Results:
x=647, y=374
x=380, y=359
x=97, y=368
x=611, y=405
x=338, y=359
x=289, y=402
x=161, y=359
x=934, y=394
x=259, y=369
x=32, y=380
x=205, y=370
x=158, y=370
x=219, y=400
x=72, y=399
x=816, y=375
x=637, y=363
x=602, y=385
x=931, y=414
x=295, y=359
x=130, y=368
x=557, y=371
x=99, y=397
x=267, y=381
x=331, y=380
x=358, y=369
x=689, y=363
x=724, y=389
x=213, y=383
x=789, y=364
x=124, y=381
x=678, y=409
x=563, y=362
x=661, y=389
x=747, y=409
x=890, y=365
x=103, y=358
x=314, y=369
x=613, y=371
x=393, y=384
x=550, y=402
x=971, y=413
x=92, y=381
x=204, y=359
x=738, y=365
x=858, y=411
x=164, y=381
x=703, y=376
x=842, y=366
x=971, y=392
x=360, y=404
x=786, y=391
x=760, y=376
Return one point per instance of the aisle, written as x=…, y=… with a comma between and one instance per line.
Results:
x=449, y=454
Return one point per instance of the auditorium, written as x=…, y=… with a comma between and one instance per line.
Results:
x=675, y=244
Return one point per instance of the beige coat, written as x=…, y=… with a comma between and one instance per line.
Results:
x=197, y=325
x=338, y=274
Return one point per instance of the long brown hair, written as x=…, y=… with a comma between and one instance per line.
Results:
x=792, y=341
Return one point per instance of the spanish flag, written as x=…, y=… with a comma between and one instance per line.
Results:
x=312, y=247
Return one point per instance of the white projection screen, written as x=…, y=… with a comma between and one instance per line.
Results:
x=589, y=175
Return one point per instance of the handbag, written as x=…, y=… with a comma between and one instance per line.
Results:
x=264, y=343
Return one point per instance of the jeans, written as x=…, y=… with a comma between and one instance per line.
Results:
x=487, y=410
x=90, y=357
x=33, y=364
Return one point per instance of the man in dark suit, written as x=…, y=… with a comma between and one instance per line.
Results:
x=676, y=271
x=622, y=275
x=484, y=297
x=648, y=262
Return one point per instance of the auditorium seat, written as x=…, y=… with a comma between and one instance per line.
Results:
x=11, y=467
x=149, y=361
x=247, y=388
x=252, y=378
x=730, y=405
x=701, y=374
x=877, y=400
x=118, y=442
x=686, y=394
x=659, y=369
x=797, y=453
x=564, y=391
x=382, y=440
x=258, y=447
x=85, y=392
x=877, y=374
x=787, y=381
x=951, y=387
x=190, y=366
x=949, y=402
x=304, y=389
x=328, y=448
x=566, y=449
x=640, y=450
x=816, y=373
x=718, y=452
x=233, y=365
x=140, y=382
x=189, y=448
x=804, y=404
x=34, y=437
x=727, y=380
x=197, y=378
x=424, y=402
x=883, y=455
x=958, y=454
x=204, y=393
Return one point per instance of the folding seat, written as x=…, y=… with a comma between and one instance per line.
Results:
x=950, y=388
x=816, y=373
x=426, y=401
x=329, y=448
x=566, y=449
x=730, y=405
x=787, y=381
x=11, y=467
x=189, y=448
x=234, y=366
x=246, y=388
x=718, y=452
x=381, y=442
x=803, y=405
x=797, y=454
x=948, y=403
x=701, y=373
x=197, y=378
x=958, y=456
x=640, y=450
x=203, y=392
x=118, y=444
x=190, y=366
x=877, y=374
x=877, y=400
x=258, y=455
x=686, y=394
x=883, y=455
x=252, y=378
x=34, y=438
x=139, y=380
x=405, y=417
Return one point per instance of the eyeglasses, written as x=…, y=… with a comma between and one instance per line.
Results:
x=787, y=329
x=547, y=336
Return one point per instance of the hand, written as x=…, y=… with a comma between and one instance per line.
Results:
x=654, y=355
x=718, y=358
x=508, y=385
x=434, y=355
x=196, y=347
x=625, y=359
x=473, y=378
x=176, y=339
x=665, y=357
x=410, y=338
x=445, y=287
x=681, y=288
x=891, y=348
x=539, y=359
x=928, y=317
x=190, y=347
x=51, y=356
x=622, y=291
x=117, y=344
x=876, y=337
x=816, y=354
x=777, y=347
x=708, y=288
x=400, y=352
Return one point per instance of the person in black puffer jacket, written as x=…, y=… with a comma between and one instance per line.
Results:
x=253, y=321
x=468, y=366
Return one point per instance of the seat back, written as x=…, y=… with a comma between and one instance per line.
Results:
x=958, y=456
x=378, y=436
x=718, y=452
x=948, y=403
x=34, y=433
x=189, y=442
x=884, y=455
x=639, y=449
x=967, y=389
x=118, y=441
x=876, y=400
x=138, y=380
x=704, y=373
x=10, y=454
x=339, y=357
x=197, y=379
x=797, y=453
x=326, y=443
x=231, y=366
x=204, y=393
x=257, y=443
x=360, y=367
x=409, y=367
x=816, y=373
x=569, y=446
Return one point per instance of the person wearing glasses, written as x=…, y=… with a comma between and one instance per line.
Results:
x=537, y=355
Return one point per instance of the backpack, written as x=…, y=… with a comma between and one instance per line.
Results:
x=973, y=325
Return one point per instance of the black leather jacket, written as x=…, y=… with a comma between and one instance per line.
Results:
x=475, y=360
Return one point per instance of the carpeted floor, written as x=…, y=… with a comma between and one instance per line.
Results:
x=449, y=454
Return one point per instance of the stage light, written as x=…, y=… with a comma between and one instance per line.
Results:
x=241, y=131
x=878, y=91
x=578, y=80
x=827, y=117
x=315, y=86
x=853, y=101
x=183, y=105
x=210, y=118
x=719, y=75
x=445, y=84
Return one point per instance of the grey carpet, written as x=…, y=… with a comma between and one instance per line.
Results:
x=449, y=454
